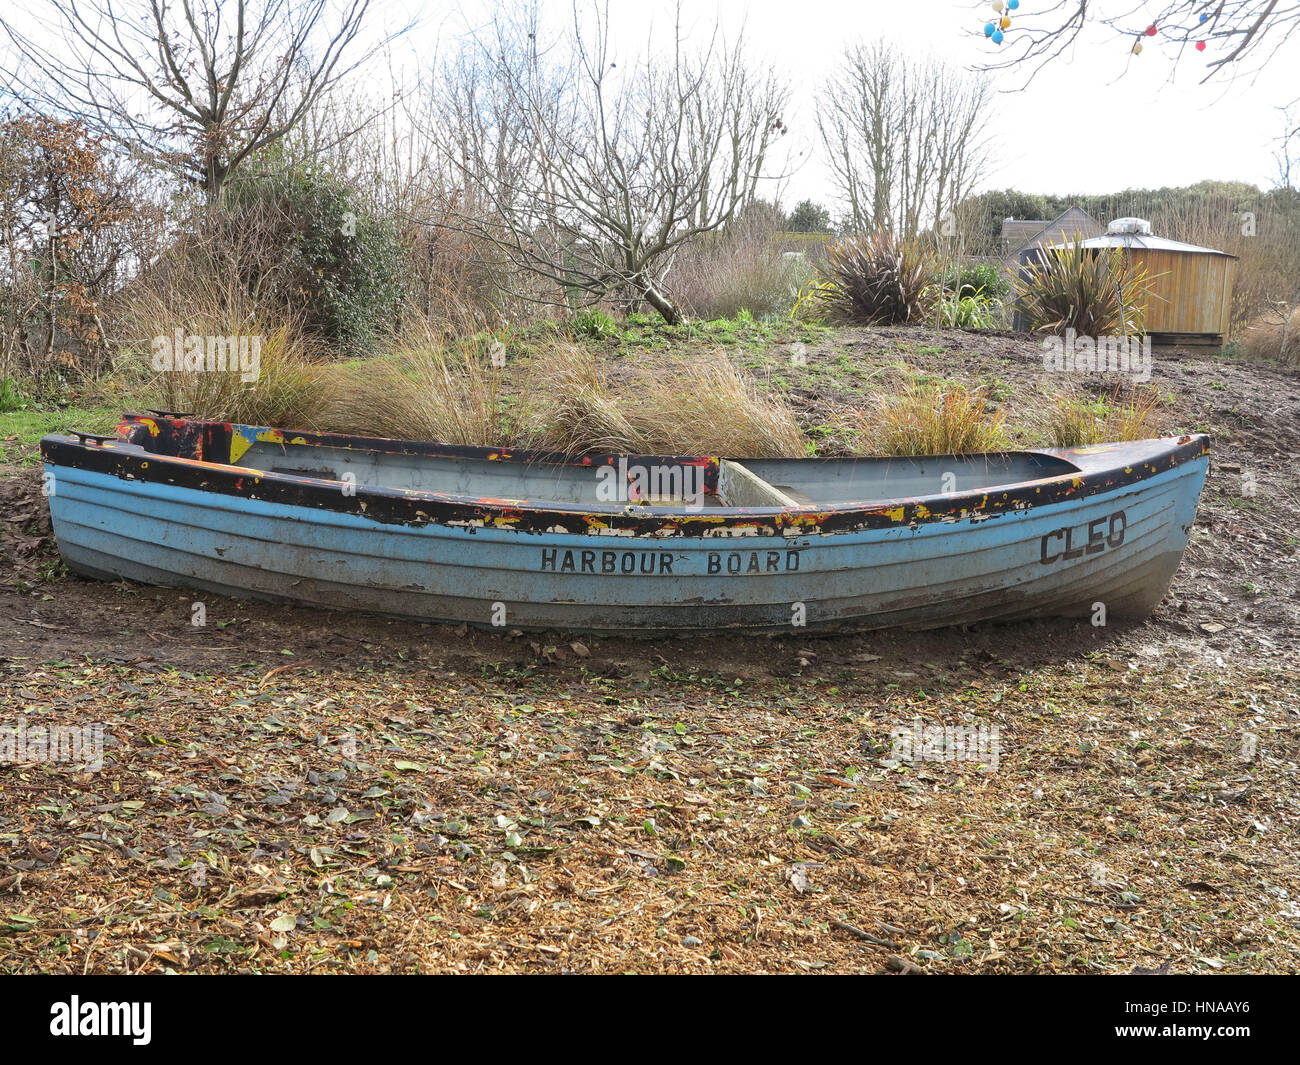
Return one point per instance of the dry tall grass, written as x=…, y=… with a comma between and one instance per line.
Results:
x=706, y=406
x=424, y=390
x=570, y=406
x=1072, y=420
x=422, y=394
x=702, y=405
x=292, y=387
x=930, y=418
x=562, y=401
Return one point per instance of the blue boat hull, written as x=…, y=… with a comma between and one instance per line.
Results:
x=1117, y=548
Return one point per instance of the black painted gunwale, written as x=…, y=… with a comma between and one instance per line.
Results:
x=1101, y=469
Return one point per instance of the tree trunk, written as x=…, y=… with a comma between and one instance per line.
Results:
x=660, y=302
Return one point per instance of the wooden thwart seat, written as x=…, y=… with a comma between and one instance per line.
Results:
x=740, y=487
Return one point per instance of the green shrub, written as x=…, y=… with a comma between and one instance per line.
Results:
x=11, y=397
x=304, y=242
x=977, y=279
x=809, y=217
x=880, y=279
x=974, y=311
x=596, y=325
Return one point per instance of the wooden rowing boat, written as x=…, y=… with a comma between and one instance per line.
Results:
x=624, y=543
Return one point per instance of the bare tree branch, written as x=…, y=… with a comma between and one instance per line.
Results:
x=588, y=175
x=904, y=139
x=181, y=86
x=1235, y=33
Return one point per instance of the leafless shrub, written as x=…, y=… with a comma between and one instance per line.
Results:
x=746, y=266
x=588, y=176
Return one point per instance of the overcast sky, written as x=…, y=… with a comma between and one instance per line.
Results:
x=1098, y=120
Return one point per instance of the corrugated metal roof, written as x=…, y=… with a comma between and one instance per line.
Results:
x=1142, y=240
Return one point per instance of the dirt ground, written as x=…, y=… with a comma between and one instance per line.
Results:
x=283, y=790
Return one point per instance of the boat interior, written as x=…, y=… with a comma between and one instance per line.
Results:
x=786, y=483
x=643, y=480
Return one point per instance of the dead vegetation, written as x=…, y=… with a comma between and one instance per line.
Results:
x=923, y=417
x=1273, y=339
x=563, y=400
x=501, y=805
x=1074, y=420
x=423, y=392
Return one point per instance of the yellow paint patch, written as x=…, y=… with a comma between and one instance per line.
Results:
x=239, y=443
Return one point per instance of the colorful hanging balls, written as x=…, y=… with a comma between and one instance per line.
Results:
x=1137, y=47
x=1013, y=4
x=988, y=29
x=1202, y=18
x=997, y=37
x=1006, y=22
x=1151, y=30
x=1200, y=46
x=997, y=5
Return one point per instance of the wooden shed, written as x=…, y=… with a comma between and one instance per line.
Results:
x=1191, y=302
x=1020, y=238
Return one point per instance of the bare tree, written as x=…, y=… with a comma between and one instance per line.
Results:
x=195, y=86
x=904, y=139
x=1288, y=146
x=586, y=170
x=1236, y=34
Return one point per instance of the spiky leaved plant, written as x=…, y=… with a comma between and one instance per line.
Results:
x=1094, y=291
x=880, y=279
